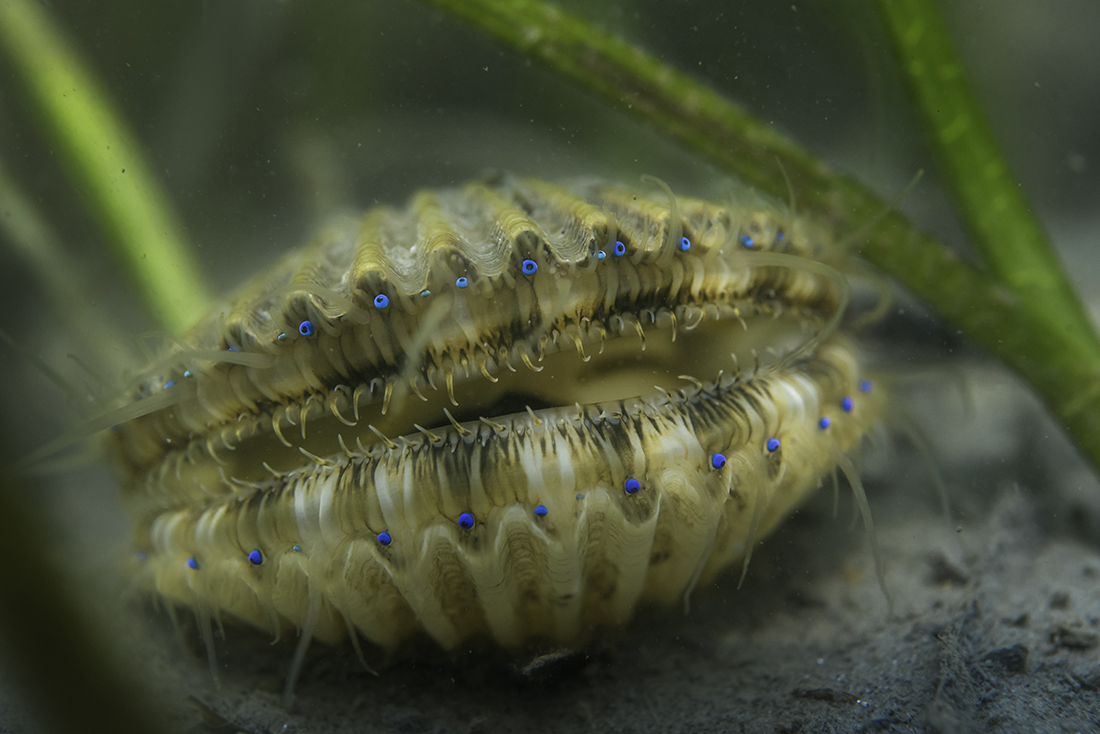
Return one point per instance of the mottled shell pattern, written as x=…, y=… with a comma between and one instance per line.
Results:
x=512, y=411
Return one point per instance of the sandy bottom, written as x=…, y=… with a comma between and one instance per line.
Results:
x=995, y=623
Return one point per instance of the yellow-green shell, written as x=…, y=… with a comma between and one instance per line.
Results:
x=327, y=451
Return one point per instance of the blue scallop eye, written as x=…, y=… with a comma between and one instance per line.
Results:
x=256, y=557
x=530, y=267
x=825, y=422
x=462, y=282
x=632, y=486
x=778, y=236
x=865, y=386
x=600, y=254
x=384, y=538
x=746, y=240
x=169, y=384
x=381, y=301
x=296, y=548
x=192, y=564
x=541, y=510
x=620, y=248
x=685, y=244
x=773, y=444
x=306, y=328
x=465, y=521
x=847, y=404
x=717, y=461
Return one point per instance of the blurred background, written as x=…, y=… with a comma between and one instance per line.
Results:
x=266, y=118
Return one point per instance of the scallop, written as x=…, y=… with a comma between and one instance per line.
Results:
x=512, y=411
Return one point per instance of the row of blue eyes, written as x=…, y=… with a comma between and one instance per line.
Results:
x=256, y=557
x=529, y=267
x=685, y=245
x=631, y=486
x=381, y=301
x=719, y=460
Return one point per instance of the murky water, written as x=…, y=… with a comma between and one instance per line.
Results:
x=264, y=120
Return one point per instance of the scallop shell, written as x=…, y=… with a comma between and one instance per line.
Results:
x=470, y=417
